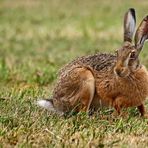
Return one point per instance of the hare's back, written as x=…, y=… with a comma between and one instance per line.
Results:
x=99, y=62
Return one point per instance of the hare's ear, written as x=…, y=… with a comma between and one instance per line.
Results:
x=141, y=34
x=129, y=24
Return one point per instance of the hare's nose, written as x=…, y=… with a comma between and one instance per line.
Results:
x=118, y=72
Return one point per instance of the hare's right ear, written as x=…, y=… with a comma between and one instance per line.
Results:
x=141, y=34
x=129, y=24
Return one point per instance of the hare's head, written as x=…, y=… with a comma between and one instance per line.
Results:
x=127, y=56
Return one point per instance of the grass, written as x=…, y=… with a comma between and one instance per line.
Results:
x=36, y=39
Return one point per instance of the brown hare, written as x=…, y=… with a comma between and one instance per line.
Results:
x=119, y=80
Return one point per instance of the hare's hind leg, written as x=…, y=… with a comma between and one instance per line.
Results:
x=75, y=90
x=83, y=98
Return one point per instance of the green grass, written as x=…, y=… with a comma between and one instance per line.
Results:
x=37, y=38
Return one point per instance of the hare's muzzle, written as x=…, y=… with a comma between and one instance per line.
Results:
x=118, y=72
x=122, y=72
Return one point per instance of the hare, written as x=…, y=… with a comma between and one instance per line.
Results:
x=115, y=80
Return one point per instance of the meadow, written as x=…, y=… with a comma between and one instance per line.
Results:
x=37, y=37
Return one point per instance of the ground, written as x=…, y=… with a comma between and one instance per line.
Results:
x=37, y=38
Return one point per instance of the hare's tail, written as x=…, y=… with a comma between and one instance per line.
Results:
x=48, y=104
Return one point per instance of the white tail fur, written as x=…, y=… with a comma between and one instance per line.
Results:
x=47, y=104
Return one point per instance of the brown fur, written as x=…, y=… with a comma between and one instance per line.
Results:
x=123, y=92
x=74, y=90
x=111, y=90
x=99, y=80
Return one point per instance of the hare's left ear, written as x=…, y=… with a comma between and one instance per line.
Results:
x=129, y=24
x=141, y=34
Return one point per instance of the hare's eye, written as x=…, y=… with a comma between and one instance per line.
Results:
x=132, y=56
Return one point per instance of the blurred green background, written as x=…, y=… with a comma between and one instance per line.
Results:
x=37, y=37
